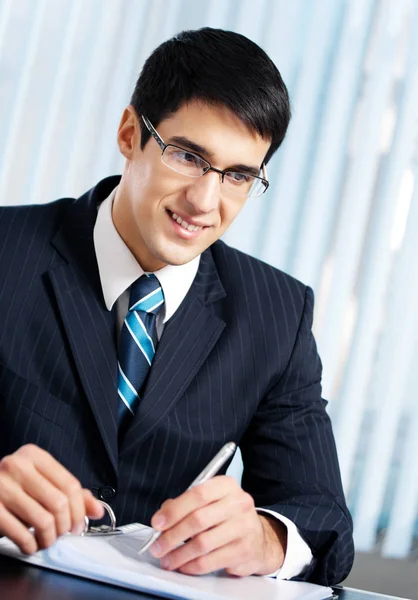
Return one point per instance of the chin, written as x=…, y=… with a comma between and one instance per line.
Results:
x=178, y=261
x=176, y=258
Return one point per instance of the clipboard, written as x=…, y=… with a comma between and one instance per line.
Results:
x=114, y=560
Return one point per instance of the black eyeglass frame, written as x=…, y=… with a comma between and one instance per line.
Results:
x=163, y=147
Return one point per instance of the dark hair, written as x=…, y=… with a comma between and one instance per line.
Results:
x=216, y=67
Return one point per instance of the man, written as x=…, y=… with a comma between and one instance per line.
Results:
x=117, y=391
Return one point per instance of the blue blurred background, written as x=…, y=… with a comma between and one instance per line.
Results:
x=341, y=212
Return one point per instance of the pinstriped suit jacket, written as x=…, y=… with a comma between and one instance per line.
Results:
x=237, y=361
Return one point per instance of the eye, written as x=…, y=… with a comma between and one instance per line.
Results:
x=188, y=158
x=238, y=178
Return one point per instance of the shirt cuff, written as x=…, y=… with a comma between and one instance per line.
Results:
x=298, y=554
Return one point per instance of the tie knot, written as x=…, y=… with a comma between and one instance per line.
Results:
x=146, y=294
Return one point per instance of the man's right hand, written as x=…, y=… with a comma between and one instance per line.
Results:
x=37, y=491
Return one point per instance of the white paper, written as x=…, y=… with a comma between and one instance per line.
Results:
x=115, y=560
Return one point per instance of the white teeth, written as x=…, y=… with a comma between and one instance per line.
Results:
x=185, y=224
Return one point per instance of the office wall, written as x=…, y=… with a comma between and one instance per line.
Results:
x=341, y=212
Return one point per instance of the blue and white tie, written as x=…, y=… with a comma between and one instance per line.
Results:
x=138, y=340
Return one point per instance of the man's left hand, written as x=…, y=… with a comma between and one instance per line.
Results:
x=221, y=529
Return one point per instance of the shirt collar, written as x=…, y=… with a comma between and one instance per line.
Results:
x=118, y=268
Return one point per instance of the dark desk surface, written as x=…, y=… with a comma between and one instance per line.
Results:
x=19, y=581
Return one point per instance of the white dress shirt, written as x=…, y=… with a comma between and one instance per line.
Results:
x=118, y=269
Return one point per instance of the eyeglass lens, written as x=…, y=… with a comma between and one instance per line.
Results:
x=192, y=165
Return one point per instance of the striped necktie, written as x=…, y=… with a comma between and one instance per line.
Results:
x=137, y=343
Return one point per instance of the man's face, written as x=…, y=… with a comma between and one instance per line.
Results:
x=150, y=193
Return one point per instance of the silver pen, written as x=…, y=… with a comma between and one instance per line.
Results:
x=208, y=472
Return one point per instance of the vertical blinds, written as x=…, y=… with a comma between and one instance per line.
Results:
x=341, y=213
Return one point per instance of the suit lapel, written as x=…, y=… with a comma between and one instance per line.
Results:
x=89, y=326
x=186, y=342
x=188, y=337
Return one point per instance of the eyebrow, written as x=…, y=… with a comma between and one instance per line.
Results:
x=184, y=142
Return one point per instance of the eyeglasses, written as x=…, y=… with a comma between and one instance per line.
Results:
x=190, y=164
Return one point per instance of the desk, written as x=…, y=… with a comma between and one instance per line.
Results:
x=19, y=581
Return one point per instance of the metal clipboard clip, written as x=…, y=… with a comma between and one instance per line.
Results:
x=92, y=530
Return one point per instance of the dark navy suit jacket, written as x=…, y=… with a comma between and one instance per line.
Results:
x=237, y=361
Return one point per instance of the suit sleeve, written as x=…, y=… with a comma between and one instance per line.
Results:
x=290, y=460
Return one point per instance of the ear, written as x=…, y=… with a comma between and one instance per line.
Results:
x=129, y=134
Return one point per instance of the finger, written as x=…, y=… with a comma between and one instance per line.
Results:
x=204, y=543
x=228, y=557
x=56, y=474
x=77, y=510
x=60, y=477
x=48, y=496
x=28, y=510
x=12, y=528
x=193, y=524
x=47, y=465
x=41, y=476
x=22, y=470
x=93, y=508
x=173, y=511
x=51, y=469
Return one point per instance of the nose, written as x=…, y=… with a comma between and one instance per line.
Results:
x=204, y=192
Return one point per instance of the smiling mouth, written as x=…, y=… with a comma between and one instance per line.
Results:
x=185, y=224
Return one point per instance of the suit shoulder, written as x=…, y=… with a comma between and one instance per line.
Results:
x=240, y=267
x=32, y=219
